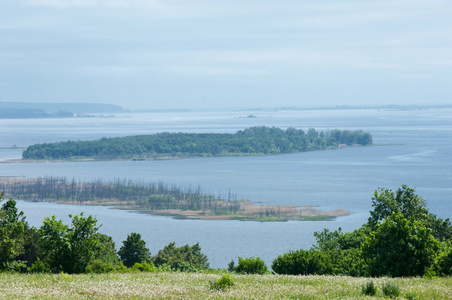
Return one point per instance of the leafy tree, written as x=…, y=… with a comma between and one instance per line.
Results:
x=411, y=205
x=443, y=265
x=107, y=250
x=134, y=250
x=69, y=249
x=400, y=247
x=401, y=238
x=32, y=251
x=12, y=227
x=55, y=244
x=184, y=258
x=385, y=202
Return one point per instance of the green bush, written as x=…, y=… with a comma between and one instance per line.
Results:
x=251, y=266
x=98, y=266
x=39, y=267
x=391, y=289
x=369, y=288
x=143, y=267
x=303, y=262
x=412, y=296
x=223, y=283
x=185, y=259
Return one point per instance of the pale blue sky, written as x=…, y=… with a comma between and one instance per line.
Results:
x=226, y=54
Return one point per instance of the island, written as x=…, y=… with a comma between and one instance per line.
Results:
x=259, y=140
x=156, y=198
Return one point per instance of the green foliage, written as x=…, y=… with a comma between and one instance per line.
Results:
x=412, y=296
x=369, y=288
x=348, y=262
x=39, y=267
x=401, y=238
x=231, y=266
x=409, y=204
x=99, y=267
x=185, y=258
x=106, y=251
x=404, y=201
x=251, y=141
x=443, y=263
x=32, y=251
x=134, y=250
x=12, y=233
x=143, y=267
x=391, y=289
x=302, y=262
x=251, y=266
x=223, y=283
x=400, y=247
x=69, y=249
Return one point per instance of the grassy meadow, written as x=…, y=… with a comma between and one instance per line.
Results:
x=176, y=285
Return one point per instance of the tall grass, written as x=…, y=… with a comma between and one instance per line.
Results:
x=177, y=285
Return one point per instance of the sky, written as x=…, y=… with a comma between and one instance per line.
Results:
x=218, y=54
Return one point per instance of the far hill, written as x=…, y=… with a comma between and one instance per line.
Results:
x=46, y=110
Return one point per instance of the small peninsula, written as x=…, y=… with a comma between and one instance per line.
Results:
x=259, y=140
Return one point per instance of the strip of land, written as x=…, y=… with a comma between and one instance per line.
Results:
x=156, y=198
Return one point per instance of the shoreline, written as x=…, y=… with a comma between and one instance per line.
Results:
x=163, y=157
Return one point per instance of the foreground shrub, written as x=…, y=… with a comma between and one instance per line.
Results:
x=251, y=266
x=185, y=259
x=39, y=267
x=369, y=288
x=143, y=267
x=302, y=262
x=391, y=289
x=223, y=283
x=412, y=296
x=98, y=266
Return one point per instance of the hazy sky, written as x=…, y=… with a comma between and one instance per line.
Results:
x=226, y=53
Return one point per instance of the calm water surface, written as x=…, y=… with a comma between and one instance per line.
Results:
x=419, y=156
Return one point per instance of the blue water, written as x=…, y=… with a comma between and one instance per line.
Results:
x=420, y=156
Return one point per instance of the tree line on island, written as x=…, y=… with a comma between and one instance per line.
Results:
x=401, y=239
x=156, y=198
x=260, y=140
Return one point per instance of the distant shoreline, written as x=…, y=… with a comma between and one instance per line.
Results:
x=159, y=158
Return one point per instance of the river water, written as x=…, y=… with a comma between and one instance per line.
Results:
x=413, y=148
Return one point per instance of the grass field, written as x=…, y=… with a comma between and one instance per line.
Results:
x=167, y=285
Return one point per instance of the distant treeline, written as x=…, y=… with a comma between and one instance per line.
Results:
x=155, y=198
x=251, y=141
x=133, y=194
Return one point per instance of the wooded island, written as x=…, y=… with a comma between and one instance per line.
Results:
x=260, y=140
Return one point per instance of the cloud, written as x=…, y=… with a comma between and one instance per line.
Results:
x=108, y=70
x=95, y=3
x=216, y=70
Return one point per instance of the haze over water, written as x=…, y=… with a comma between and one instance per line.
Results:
x=418, y=155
